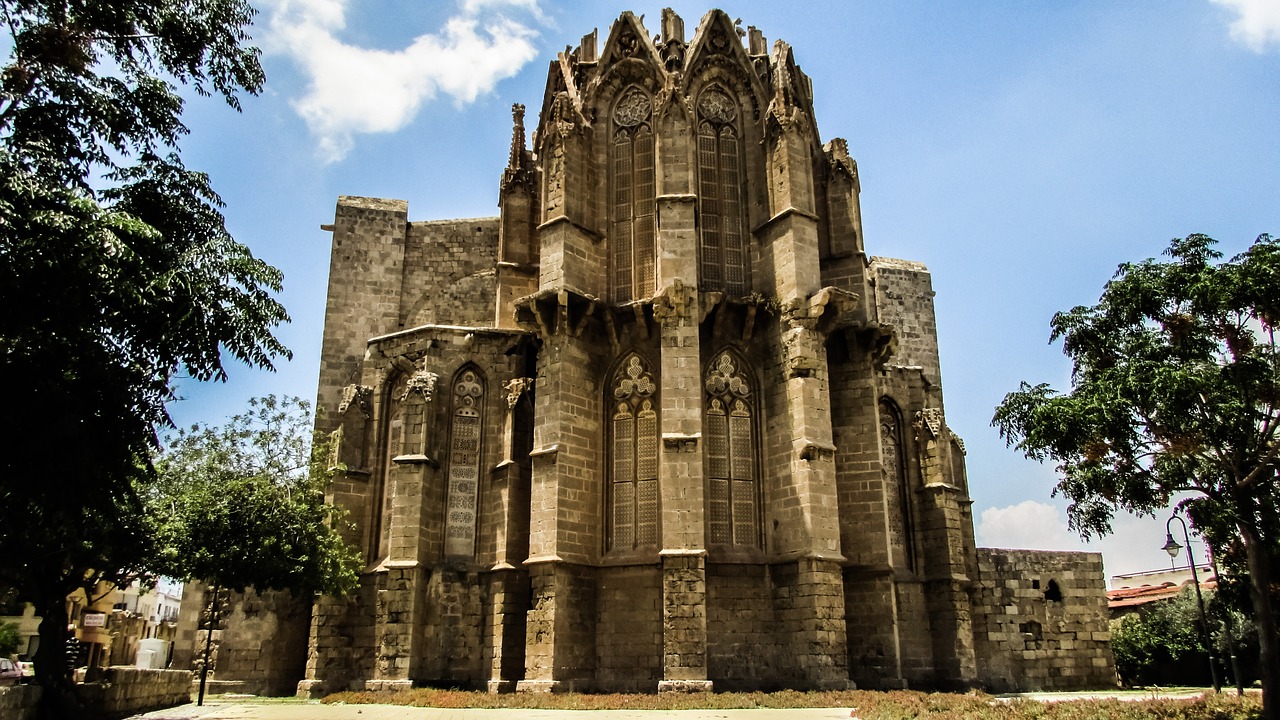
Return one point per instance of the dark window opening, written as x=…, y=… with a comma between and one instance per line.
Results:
x=1053, y=593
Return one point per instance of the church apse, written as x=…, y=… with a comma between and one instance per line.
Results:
x=663, y=424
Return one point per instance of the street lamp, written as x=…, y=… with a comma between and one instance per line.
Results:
x=1172, y=547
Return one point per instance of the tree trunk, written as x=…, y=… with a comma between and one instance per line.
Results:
x=1260, y=594
x=50, y=659
x=52, y=672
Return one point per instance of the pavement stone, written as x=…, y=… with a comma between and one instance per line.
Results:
x=253, y=708
x=256, y=710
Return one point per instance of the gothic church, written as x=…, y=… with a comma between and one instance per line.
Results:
x=663, y=424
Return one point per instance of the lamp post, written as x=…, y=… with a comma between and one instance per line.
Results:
x=1172, y=547
x=1231, y=650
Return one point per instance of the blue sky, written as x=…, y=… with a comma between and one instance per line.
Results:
x=1020, y=150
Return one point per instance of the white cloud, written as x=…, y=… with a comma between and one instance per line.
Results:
x=1029, y=525
x=353, y=90
x=1257, y=25
x=1134, y=544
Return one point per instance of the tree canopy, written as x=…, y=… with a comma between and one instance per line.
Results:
x=242, y=504
x=119, y=273
x=1175, y=398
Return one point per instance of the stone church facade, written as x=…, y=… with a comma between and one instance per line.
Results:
x=663, y=424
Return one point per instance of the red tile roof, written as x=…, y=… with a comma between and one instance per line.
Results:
x=1132, y=597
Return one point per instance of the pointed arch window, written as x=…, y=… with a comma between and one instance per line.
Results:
x=633, y=457
x=466, y=426
x=732, y=467
x=893, y=460
x=723, y=253
x=631, y=245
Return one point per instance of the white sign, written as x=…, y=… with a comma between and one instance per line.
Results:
x=94, y=620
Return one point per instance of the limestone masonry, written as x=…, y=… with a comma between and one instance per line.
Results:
x=663, y=424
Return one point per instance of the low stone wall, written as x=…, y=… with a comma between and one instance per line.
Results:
x=1042, y=621
x=125, y=691
x=19, y=702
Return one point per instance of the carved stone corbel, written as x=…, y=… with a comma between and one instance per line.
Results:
x=833, y=308
x=675, y=302
x=357, y=398
x=516, y=388
x=802, y=350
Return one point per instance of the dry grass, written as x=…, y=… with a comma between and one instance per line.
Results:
x=867, y=705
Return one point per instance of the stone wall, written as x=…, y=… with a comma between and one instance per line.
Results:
x=122, y=691
x=449, y=275
x=741, y=646
x=125, y=691
x=19, y=702
x=259, y=644
x=629, y=627
x=1041, y=621
x=904, y=300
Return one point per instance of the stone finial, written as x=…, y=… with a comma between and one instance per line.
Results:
x=672, y=27
x=589, y=51
x=519, y=164
x=839, y=160
x=930, y=419
x=514, y=161
x=756, y=43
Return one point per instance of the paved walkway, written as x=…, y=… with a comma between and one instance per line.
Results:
x=225, y=709
x=251, y=708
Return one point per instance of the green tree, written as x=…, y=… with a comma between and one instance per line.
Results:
x=1166, y=633
x=242, y=505
x=1175, y=393
x=118, y=274
x=9, y=638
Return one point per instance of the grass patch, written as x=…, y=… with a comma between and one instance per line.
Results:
x=867, y=705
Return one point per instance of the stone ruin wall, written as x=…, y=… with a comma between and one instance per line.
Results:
x=1041, y=621
x=259, y=643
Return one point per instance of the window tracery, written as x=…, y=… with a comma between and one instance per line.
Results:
x=723, y=256
x=465, y=432
x=731, y=455
x=632, y=171
x=633, y=496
